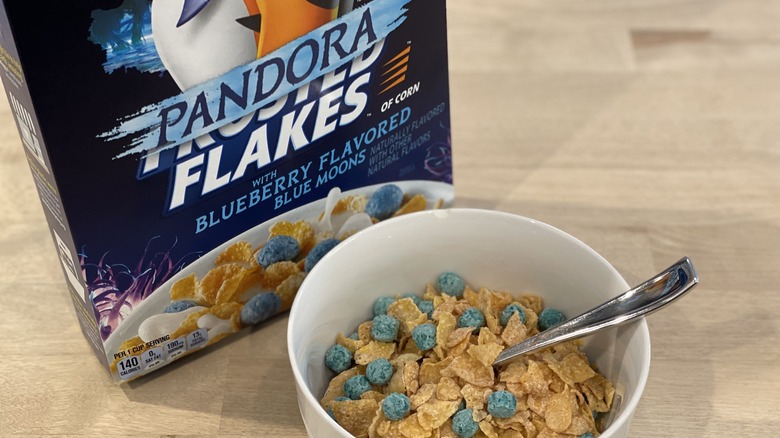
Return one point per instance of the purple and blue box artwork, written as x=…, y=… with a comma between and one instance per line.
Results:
x=195, y=159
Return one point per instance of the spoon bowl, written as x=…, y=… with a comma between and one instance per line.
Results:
x=650, y=296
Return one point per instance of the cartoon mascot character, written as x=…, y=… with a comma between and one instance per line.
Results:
x=198, y=40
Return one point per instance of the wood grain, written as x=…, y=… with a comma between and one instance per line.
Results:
x=650, y=129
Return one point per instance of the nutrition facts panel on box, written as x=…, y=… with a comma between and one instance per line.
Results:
x=175, y=348
x=129, y=367
x=157, y=357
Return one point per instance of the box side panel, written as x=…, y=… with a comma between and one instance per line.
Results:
x=23, y=110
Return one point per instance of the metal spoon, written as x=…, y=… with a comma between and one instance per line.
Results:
x=653, y=294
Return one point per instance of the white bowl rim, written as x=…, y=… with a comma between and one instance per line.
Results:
x=641, y=324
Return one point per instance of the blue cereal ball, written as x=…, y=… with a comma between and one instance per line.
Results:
x=451, y=284
x=414, y=298
x=278, y=249
x=356, y=386
x=472, y=317
x=463, y=424
x=354, y=336
x=338, y=358
x=502, y=404
x=260, y=307
x=381, y=305
x=379, y=372
x=587, y=435
x=330, y=409
x=384, y=328
x=395, y=406
x=180, y=306
x=385, y=202
x=426, y=307
x=424, y=336
x=509, y=310
x=550, y=318
x=318, y=252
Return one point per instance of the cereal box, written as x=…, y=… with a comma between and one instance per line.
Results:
x=195, y=159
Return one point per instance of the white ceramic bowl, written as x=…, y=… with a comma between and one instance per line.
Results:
x=489, y=249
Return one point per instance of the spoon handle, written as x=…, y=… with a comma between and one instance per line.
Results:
x=662, y=289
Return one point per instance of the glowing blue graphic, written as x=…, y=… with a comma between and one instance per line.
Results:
x=125, y=35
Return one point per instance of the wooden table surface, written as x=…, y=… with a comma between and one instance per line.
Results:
x=650, y=129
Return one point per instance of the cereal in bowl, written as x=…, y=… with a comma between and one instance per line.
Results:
x=420, y=371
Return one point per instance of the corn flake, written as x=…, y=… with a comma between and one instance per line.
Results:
x=598, y=392
x=364, y=331
x=389, y=429
x=355, y=416
x=486, y=353
x=433, y=414
x=226, y=310
x=472, y=370
x=396, y=383
x=513, y=372
x=580, y=425
x=410, y=428
x=372, y=351
x=251, y=280
x=372, y=395
x=548, y=433
x=447, y=389
x=415, y=204
x=558, y=415
x=289, y=288
x=572, y=369
x=533, y=380
x=447, y=324
x=517, y=421
x=476, y=397
x=353, y=203
x=514, y=332
x=185, y=289
x=457, y=336
x=486, y=337
x=411, y=373
x=488, y=429
x=275, y=274
x=538, y=404
x=222, y=282
x=422, y=395
x=239, y=252
x=336, y=386
x=431, y=372
x=445, y=431
x=471, y=296
x=352, y=345
x=533, y=302
x=401, y=359
x=405, y=311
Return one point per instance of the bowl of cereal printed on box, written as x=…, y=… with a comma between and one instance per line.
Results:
x=394, y=334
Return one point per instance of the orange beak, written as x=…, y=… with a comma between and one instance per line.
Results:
x=277, y=22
